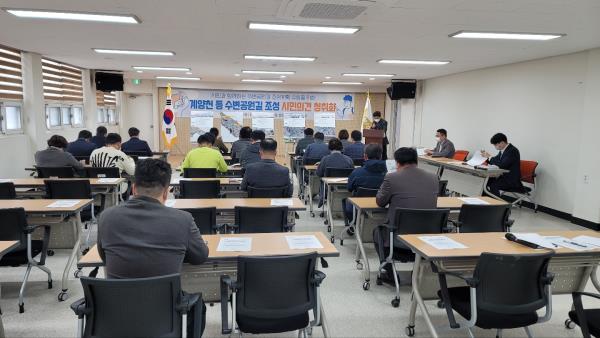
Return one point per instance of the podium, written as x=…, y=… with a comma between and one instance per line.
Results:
x=373, y=136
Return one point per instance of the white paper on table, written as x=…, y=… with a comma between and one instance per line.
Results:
x=170, y=203
x=477, y=159
x=569, y=243
x=303, y=242
x=235, y=244
x=595, y=241
x=283, y=202
x=236, y=179
x=442, y=242
x=536, y=239
x=5, y=180
x=338, y=180
x=108, y=179
x=421, y=151
x=63, y=204
x=473, y=200
x=391, y=166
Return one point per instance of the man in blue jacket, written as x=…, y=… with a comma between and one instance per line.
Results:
x=135, y=145
x=356, y=149
x=83, y=145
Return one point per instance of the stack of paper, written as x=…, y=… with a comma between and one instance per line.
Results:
x=236, y=180
x=229, y=244
x=170, y=203
x=108, y=180
x=477, y=159
x=593, y=241
x=64, y=204
x=442, y=242
x=473, y=200
x=303, y=242
x=282, y=202
x=421, y=151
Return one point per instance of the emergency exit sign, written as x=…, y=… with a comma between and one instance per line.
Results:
x=136, y=81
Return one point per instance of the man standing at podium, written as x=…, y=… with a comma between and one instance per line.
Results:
x=381, y=124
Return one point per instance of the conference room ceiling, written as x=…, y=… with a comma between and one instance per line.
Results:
x=211, y=37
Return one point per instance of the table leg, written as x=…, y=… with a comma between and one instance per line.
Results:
x=594, y=278
x=310, y=194
x=487, y=191
x=74, y=253
x=361, y=247
x=329, y=209
x=416, y=279
x=324, y=325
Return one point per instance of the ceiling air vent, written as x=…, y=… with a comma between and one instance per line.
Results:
x=316, y=10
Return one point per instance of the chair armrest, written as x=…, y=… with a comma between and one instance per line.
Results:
x=226, y=284
x=188, y=300
x=218, y=227
x=509, y=223
x=580, y=312
x=318, y=278
x=324, y=263
x=547, y=280
x=579, y=294
x=79, y=307
x=470, y=281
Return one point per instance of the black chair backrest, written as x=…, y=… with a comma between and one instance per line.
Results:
x=99, y=172
x=68, y=189
x=338, y=172
x=143, y=307
x=358, y=161
x=512, y=284
x=443, y=186
x=13, y=223
x=483, y=218
x=365, y=192
x=7, y=191
x=205, y=219
x=276, y=287
x=274, y=192
x=260, y=220
x=420, y=221
x=199, y=189
x=199, y=172
x=311, y=161
x=55, y=172
x=136, y=153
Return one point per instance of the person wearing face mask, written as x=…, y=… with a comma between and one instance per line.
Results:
x=381, y=124
x=508, y=158
x=444, y=147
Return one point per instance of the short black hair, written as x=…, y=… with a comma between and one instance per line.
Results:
x=133, y=131
x=406, y=155
x=335, y=144
x=113, y=138
x=343, y=134
x=377, y=113
x=206, y=138
x=57, y=141
x=85, y=134
x=245, y=132
x=442, y=131
x=309, y=132
x=498, y=138
x=356, y=135
x=268, y=145
x=152, y=176
x=319, y=136
x=373, y=151
x=101, y=131
x=258, y=135
x=214, y=131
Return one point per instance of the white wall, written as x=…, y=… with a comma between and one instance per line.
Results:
x=548, y=108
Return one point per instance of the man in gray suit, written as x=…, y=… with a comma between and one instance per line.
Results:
x=444, y=147
x=408, y=187
x=267, y=173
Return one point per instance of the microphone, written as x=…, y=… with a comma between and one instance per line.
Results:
x=514, y=238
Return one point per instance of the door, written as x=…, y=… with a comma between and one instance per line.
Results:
x=139, y=114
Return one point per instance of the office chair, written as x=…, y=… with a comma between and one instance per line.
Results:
x=264, y=299
x=504, y=293
x=141, y=307
x=443, y=192
x=138, y=154
x=7, y=191
x=350, y=219
x=260, y=220
x=102, y=172
x=587, y=319
x=199, y=189
x=526, y=191
x=461, y=155
x=200, y=173
x=358, y=161
x=406, y=221
x=273, y=192
x=15, y=228
x=205, y=219
x=55, y=172
x=331, y=172
x=484, y=218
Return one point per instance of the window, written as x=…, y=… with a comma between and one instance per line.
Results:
x=11, y=82
x=62, y=83
x=77, y=114
x=102, y=118
x=107, y=107
x=53, y=116
x=66, y=115
x=10, y=118
x=112, y=116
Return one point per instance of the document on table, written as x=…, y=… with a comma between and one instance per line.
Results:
x=477, y=159
x=282, y=202
x=108, y=179
x=303, y=242
x=594, y=241
x=5, y=180
x=227, y=244
x=536, y=239
x=572, y=244
x=473, y=200
x=421, y=151
x=391, y=166
x=170, y=203
x=64, y=204
x=442, y=242
x=236, y=180
x=338, y=180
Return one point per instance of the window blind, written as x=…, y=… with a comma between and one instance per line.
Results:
x=11, y=81
x=62, y=82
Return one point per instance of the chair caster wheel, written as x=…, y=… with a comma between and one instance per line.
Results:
x=326, y=222
x=440, y=304
x=410, y=330
x=77, y=273
x=85, y=251
x=50, y=284
x=312, y=214
x=379, y=281
x=341, y=242
x=50, y=253
x=366, y=286
x=329, y=228
x=569, y=324
x=332, y=239
x=359, y=266
x=395, y=302
x=63, y=296
x=322, y=214
x=21, y=308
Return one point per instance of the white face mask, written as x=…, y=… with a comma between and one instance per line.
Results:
x=376, y=119
x=438, y=139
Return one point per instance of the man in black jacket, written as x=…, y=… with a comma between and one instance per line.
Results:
x=135, y=145
x=267, y=173
x=508, y=158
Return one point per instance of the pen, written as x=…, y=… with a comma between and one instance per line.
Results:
x=576, y=244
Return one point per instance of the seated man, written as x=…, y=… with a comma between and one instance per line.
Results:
x=267, y=173
x=356, y=149
x=444, y=147
x=304, y=142
x=369, y=176
x=240, y=145
x=100, y=139
x=252, y=152
x=143, y=238
x=55, y=155
x=135, y=145
x=205, y=156
x=112, y=156
x=334, y=160
x=407, y=187
x=316, y=150
x=219, y=144
x=83, y=146
x=508, y=158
